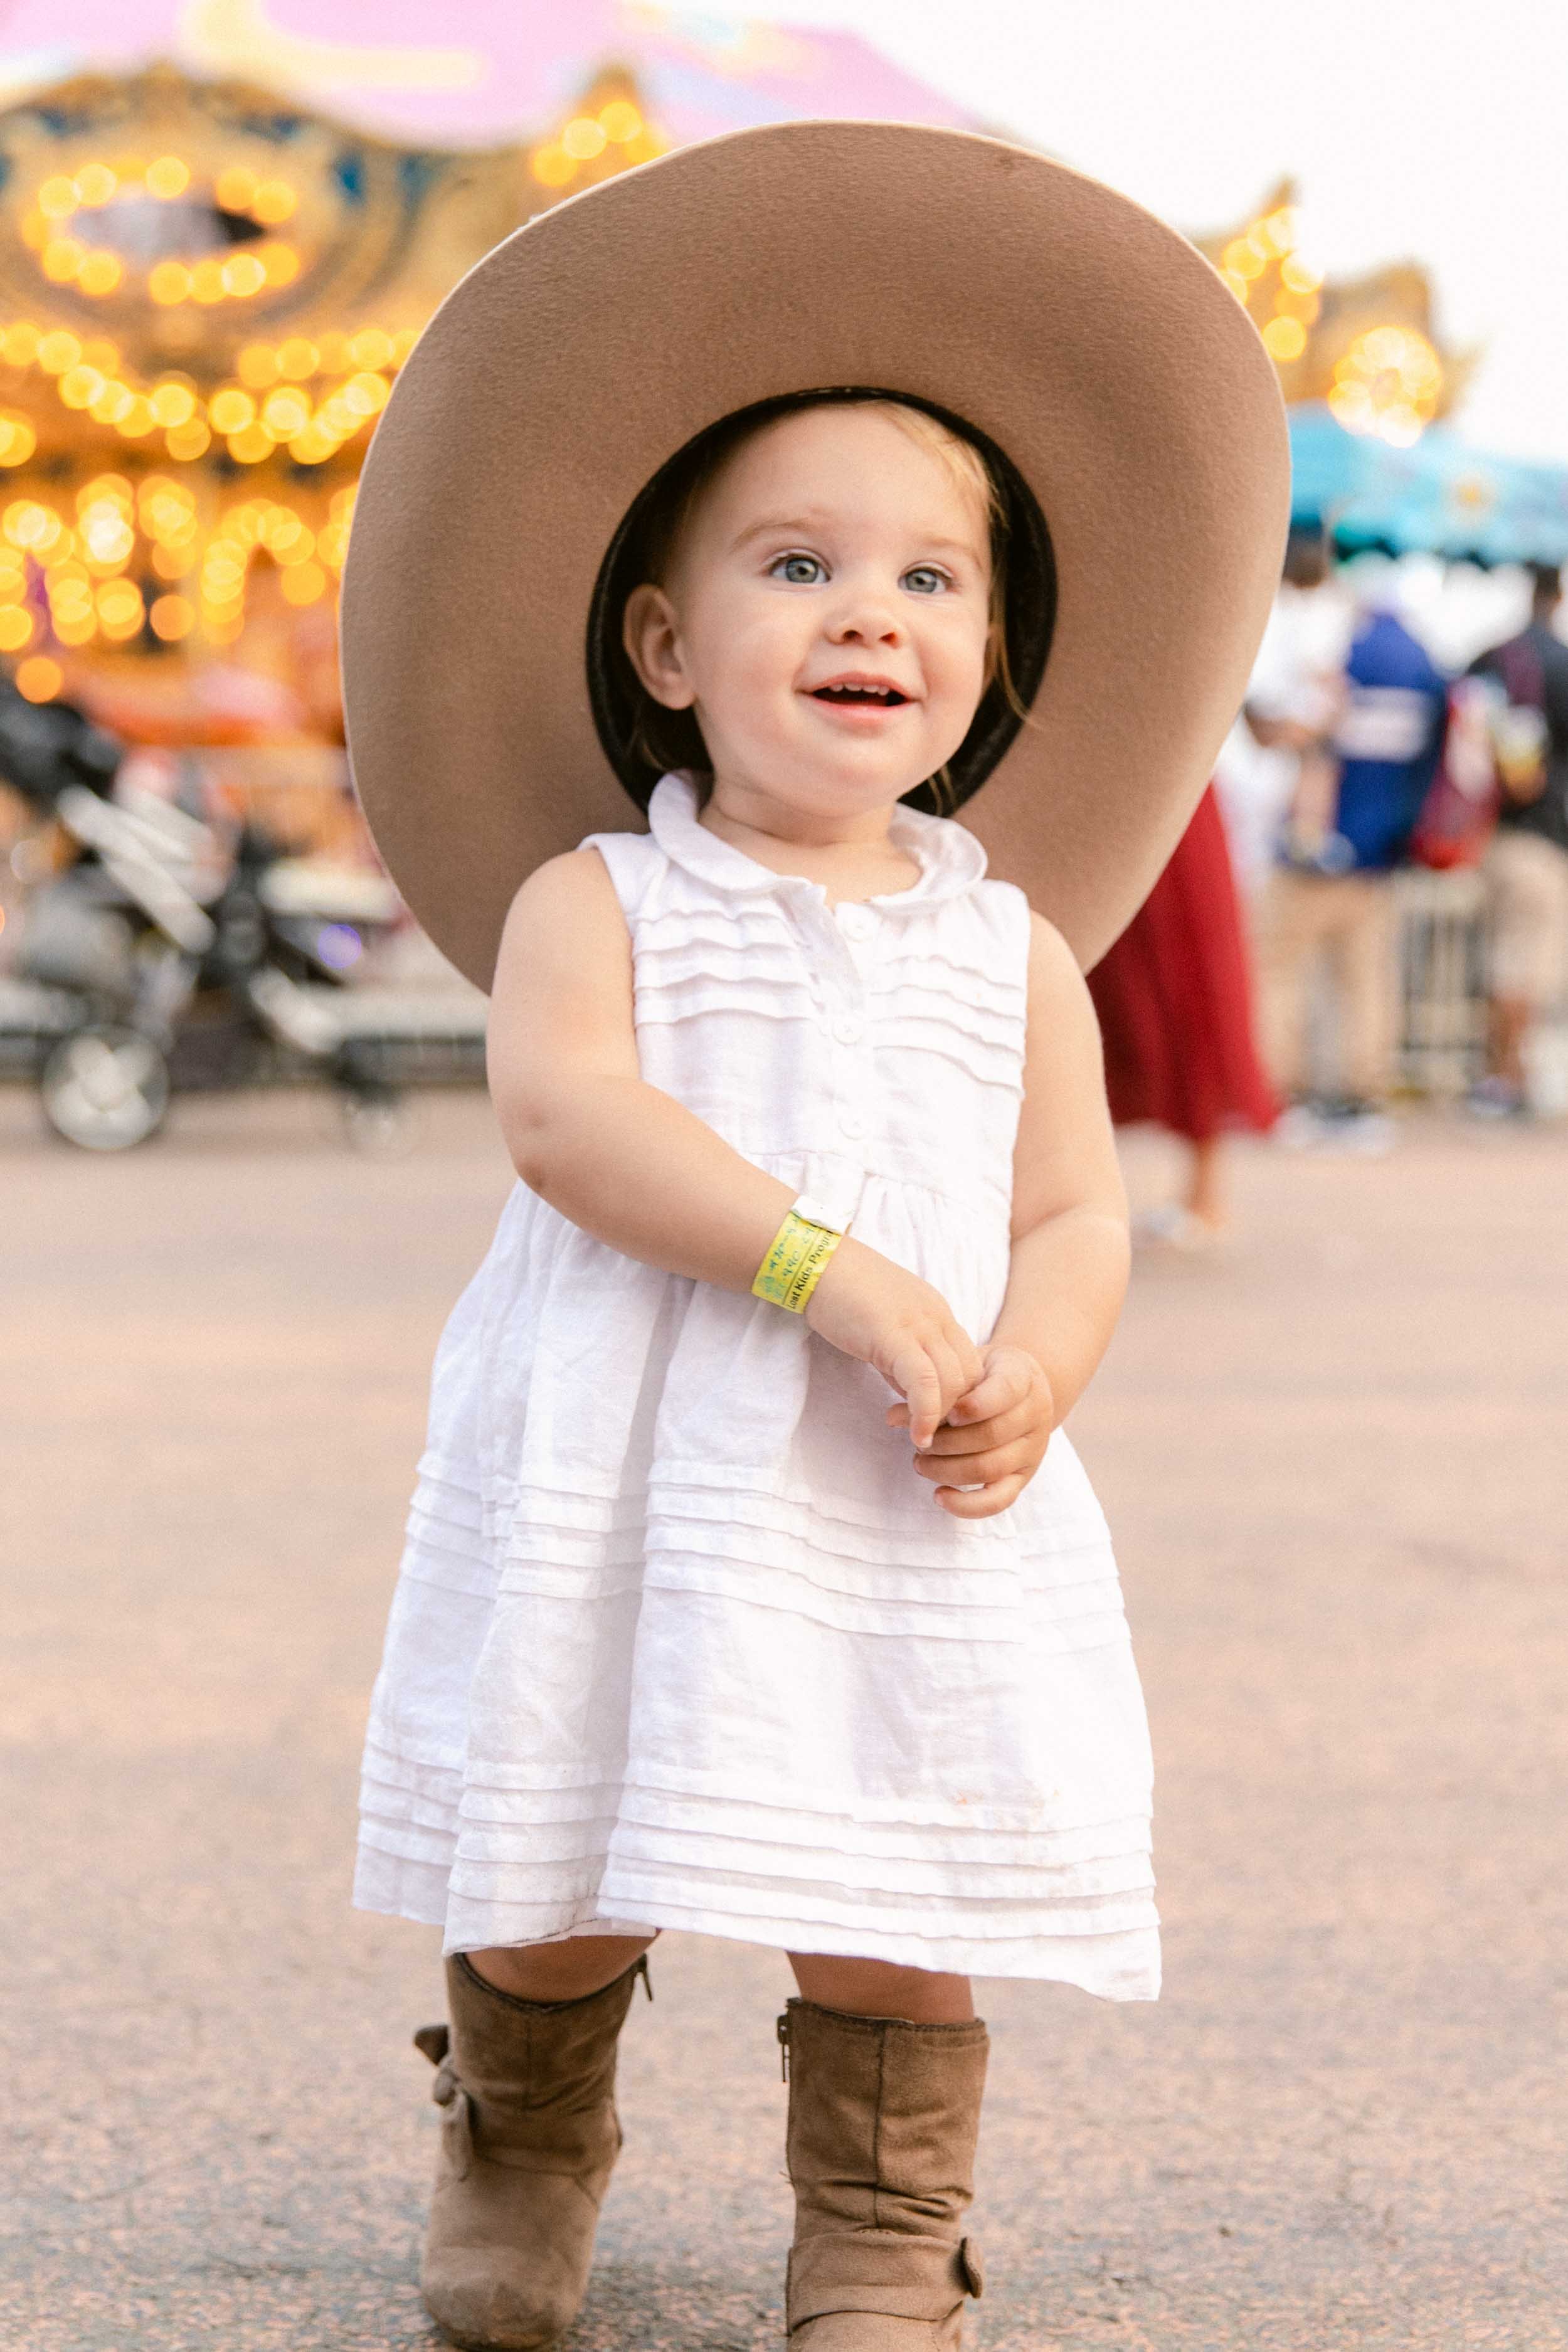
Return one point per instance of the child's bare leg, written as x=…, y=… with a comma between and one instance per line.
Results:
x=568, y=1970
x=879, y=1989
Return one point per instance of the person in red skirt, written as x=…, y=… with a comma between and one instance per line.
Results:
x=1174, y=1000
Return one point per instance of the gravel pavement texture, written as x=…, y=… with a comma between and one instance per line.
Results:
x=1334, y=1455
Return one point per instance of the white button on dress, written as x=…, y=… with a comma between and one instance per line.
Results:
x=681, y=1640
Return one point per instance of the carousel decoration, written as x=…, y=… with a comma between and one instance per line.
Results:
x=1372, y=389
x=1367, y=347
x=205, y=295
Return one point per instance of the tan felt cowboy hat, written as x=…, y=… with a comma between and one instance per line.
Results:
x=1143, y=449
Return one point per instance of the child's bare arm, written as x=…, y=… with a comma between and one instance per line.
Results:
x=1071, y=1251
x=629, y=1164
x=1069, y=1258
x=637, y=1170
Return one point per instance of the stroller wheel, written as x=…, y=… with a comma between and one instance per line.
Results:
x=105, y=1089
x=378, y=1123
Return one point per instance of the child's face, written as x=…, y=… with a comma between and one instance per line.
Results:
x=825, y=615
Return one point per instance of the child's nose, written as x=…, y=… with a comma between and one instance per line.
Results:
x=869, y=621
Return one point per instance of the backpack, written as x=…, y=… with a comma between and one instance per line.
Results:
x=1494, y=743
x=1460, y=808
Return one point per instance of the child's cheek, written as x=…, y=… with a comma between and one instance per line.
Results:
x=762, y=655
x=954, y=668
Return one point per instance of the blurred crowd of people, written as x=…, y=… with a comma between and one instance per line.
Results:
x=1351, y=733
x=1356, y=755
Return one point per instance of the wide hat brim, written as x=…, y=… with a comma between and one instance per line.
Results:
x=1094, y=346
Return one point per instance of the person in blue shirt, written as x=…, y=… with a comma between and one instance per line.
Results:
x=1389, y=742
x=1330, y=898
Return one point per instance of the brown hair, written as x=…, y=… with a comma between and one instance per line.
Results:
x=669, y=739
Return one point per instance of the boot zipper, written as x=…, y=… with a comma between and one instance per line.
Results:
x=784, y=2047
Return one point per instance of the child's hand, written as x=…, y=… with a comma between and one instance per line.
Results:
x=995, y=1436
x=876, y=1311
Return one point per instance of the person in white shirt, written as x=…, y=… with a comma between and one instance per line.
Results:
x=1291, y=704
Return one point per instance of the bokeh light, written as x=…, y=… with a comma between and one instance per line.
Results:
x=38, y=678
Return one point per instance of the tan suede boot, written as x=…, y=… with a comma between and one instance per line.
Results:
x=883, y=2120
x=529, y=2137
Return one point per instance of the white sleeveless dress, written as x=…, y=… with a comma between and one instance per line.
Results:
x=681, y=1640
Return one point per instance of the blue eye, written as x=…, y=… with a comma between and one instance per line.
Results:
x=924, y=580
x=800, y=571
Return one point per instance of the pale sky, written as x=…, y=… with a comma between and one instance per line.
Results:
x=1417, y=129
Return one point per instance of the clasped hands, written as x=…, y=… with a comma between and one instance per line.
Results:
x=994, y=1438
x=980, y=1418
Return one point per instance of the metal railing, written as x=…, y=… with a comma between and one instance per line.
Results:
x=1442, y=982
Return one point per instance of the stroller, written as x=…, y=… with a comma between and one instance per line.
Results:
x=172, y=956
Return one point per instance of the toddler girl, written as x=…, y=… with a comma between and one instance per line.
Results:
x=752, y=1588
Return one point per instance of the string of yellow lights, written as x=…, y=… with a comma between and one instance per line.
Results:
x=163, y=549
x=1265, y=271
x=60, y=203
x=619, y=126
x=86, y=558
x=1386, y=379
x=88, y=376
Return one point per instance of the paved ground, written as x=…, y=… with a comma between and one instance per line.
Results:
x=1335, y=1461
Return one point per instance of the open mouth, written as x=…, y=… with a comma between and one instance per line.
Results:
x=876, y=698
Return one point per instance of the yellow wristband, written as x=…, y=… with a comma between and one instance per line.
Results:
x=793, y=1265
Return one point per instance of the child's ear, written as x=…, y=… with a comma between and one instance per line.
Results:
x=651, y=637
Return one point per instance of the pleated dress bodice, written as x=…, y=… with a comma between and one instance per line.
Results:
x=680, y=1638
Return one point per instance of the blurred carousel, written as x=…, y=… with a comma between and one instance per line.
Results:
x=204, y=295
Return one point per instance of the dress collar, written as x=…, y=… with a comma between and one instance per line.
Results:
x=950, y=858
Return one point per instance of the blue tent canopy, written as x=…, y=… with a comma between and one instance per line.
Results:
x=1440, y=497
